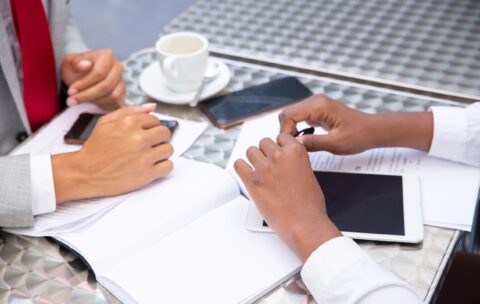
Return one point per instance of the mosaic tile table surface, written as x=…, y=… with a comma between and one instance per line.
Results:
x=38, y=270
x=430, y=45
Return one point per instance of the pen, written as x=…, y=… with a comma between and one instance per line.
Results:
x=305, y=131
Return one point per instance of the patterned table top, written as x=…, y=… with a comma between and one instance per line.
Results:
x=38, y=270
x=430, y=45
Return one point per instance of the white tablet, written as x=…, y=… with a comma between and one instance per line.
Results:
x=376, y=207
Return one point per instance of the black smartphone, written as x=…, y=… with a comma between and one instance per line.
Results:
x=231, y=109
x=84, y=125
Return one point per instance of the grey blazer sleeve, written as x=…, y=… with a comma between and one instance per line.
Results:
x=73, y=39
x=15, y=191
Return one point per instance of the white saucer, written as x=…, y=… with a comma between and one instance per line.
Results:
x=153, y=84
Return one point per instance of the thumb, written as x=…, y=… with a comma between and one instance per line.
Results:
x=81, y=63
x=127, y=111
x=323, y=142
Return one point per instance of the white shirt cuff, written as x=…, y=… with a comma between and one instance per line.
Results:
x=43, y=189
x=450, y=133
x=339, y=271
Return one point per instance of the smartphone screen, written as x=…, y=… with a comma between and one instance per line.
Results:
x=228, y=110
x=365, y=203
x=84, y=125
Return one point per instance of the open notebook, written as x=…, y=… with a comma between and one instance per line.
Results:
x=181, y=239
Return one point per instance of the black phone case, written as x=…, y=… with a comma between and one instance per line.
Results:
x=231, y=109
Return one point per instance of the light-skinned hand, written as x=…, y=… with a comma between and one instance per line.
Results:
x=127, y=150
x=96, y=77
x=286, y=192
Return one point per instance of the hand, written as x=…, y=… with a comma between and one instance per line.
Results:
x=287, y=194
x=127, y=150
x=351, y=131
x=96, y=77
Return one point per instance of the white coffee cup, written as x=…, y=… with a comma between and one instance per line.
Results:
x=183, y=59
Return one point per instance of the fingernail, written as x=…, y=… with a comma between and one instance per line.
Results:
x=84, y=63
x=71, y=102
x=149, y=105
x=72, y=91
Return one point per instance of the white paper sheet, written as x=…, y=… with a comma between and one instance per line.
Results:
x=213, y=260
x=70, y=216
x=186, y=134
x=49, y=140
x=152, y=213
x=449, y=189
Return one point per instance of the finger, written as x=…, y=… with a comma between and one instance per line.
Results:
x=255, y=156
x=100, y=89
x=102, y=64
x=147, y=121
x=268, y=146
x=78, y=62
x=285, y=139
x=114, y=100
x=162, y=169
x=120, y=92
x=313, y=108
x=81, y=62
x=290, y=116
x=127, y=111
x=318, y=142
x=244, y=171
x=160, y=153
x=158, y=135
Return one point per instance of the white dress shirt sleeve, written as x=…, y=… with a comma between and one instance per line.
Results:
x=456, y=134
x=339, y=271
x=43, y=189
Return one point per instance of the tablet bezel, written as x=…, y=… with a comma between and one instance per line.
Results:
x=412, y=212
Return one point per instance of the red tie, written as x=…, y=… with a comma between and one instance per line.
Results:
x=38, y=62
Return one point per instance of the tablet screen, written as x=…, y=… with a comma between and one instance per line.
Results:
x=364, y=203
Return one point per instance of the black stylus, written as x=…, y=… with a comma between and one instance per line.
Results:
x=305, y=131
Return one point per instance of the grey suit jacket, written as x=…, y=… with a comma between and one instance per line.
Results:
x=15, y=188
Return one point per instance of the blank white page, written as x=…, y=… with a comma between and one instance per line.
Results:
x=152, y=213
x=213, y=260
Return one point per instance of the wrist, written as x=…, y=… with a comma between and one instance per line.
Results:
x=400, y=129
x=306, y=237
x=71, y=183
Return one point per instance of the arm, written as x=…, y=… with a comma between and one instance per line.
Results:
x=339, y=271
x=41, y=181
x=448, y=132
x=457, y=134
x=127, y=150
x=73, y=41
x=15, y=191
x=336, y=270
